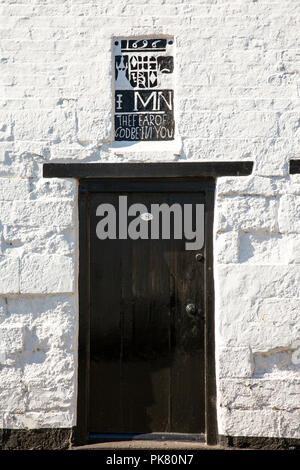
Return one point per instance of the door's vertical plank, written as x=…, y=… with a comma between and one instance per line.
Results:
x=105, y=404
x=160, y=334
x=136, y=375
x=127, y=329
x=145, y=365
x=188, y=373
x=160, y=326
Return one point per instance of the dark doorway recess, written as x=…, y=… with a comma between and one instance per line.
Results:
x=146, y=307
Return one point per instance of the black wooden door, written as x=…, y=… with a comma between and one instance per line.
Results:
x=146, y=349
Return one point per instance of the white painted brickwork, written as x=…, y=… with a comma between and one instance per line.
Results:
x=237, y=89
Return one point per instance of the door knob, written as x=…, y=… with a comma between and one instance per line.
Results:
x=191, y=309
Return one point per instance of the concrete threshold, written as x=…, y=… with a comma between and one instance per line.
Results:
x=145, y=445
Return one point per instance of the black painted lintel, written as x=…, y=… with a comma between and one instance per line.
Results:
x=147, y=170
x=294, y=167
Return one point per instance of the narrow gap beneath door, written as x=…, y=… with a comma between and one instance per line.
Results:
x=154, y=436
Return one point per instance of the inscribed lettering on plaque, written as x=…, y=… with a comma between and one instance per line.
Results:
x=144, y=95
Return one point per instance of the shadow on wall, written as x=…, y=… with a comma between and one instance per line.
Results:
x=277, y=360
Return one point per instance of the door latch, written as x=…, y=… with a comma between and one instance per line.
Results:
x=190, y=309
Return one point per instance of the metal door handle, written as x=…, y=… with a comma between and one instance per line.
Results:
x=191, y=309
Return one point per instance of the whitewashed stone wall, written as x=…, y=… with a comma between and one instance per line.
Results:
x=237, y=98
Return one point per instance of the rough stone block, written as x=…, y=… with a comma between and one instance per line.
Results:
x=9, y=275
x=246, y=213
x=38, y=398
x=262, y=248
x=257, y=281
x=227, y=247
x=289, y=214
x=94, y=128
x=39, y=419
x=3, y=308
x=20, y=240
x=289, y=423
x=11, y=343
x=12, y=399
x=248, y=186
x=41, y=274
x=276, y=310
x=5, y=127
x=38, y=213
x=280, y=393
x=50, y=419
x=235, y=362
x=276, y=362
x=45, y=125
x=13, y=188
x=236, y=422
x=53, y=188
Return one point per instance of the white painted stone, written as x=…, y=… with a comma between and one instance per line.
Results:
x=258, y=281
x=39, y=419
x=44, y=274
x=254, y=125
x=235, y=362
x=237, y=96
x=22, y=163
x=237, y=422
x=19, y=240
x=13, y=188
x=3, y=308
x=246, y=213
x=37, y=365
x=274, y=310
x=12, y=339
x=9, y=275
x=4, y=147
x=76, y=152
x=269, y=248
x=11, y=390
x=5, y=126
x=259, y=335
x=289, y=214
x=263, y=248
x=259, y=393
x=275, y=362
x=38, y=213
x=289, y=423
x=45, y=125
x=92, y=129
x=45, y=378
x=227, y=247
x=293, y=186
x=250, y=186
x=38, y=307
x=52, y=187
x=11, y=343
x=38, y=398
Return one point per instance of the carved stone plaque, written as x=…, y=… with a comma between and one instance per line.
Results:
x=144, y=95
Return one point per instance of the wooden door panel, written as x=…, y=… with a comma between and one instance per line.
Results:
x=147, y=353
